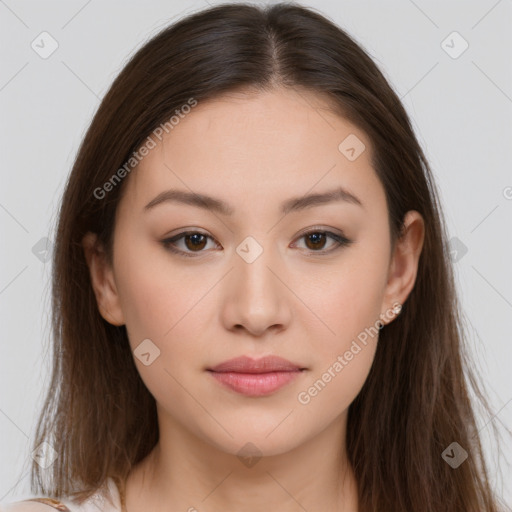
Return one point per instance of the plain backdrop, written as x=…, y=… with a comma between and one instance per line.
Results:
x=457, y=88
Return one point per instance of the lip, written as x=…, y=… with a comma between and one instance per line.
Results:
x=266, y=364
x=256, y=377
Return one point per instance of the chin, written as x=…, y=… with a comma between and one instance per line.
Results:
x=265, y=441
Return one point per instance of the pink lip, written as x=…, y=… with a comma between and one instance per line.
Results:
x=255, y=377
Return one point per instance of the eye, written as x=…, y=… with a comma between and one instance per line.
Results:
x=196, y=241
x=316, y=240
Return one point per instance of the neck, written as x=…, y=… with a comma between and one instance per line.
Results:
x=183, y=472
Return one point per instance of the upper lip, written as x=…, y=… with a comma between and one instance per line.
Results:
x=266, y=364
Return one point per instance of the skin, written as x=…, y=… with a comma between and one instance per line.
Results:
x=252, y=150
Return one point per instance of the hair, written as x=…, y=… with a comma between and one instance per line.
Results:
x=99, y=416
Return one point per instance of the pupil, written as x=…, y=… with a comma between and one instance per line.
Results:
x=317, y=238
x=196, y=240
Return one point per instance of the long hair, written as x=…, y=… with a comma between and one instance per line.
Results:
x=98, y=415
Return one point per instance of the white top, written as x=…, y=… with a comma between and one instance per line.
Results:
x=98, y=502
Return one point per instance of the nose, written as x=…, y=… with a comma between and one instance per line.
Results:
x=255, y=296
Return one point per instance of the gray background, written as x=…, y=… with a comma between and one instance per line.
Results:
x=460, y=104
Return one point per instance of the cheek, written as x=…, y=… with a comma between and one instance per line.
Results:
x=342, y=356
x=155, y=294
x=344, y=302
x=332, y=389
x=348, y=302
x=165, y=305
x=170, y=304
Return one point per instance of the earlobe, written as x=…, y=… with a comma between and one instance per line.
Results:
x=403, y=268
x=102, y=280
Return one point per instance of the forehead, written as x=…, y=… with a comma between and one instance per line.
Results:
x=257, y=146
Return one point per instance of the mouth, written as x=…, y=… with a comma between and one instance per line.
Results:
x=259, y=377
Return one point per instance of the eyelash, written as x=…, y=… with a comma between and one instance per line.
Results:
x=341, y=240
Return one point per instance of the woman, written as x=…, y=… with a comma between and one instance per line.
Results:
x=253, y=300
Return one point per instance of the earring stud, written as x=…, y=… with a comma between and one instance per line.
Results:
x=397, y=308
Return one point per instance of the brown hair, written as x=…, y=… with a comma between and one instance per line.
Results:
x=99, y=416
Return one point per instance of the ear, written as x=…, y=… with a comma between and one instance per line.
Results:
x=102, y=279
x=404, y=264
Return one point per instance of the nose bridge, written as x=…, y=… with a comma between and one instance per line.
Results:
x=256, y=299
x=253, y=262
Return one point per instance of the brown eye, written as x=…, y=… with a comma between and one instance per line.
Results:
x=315, y=241
x=187, y=243
x=196, y=241
x=192, y=243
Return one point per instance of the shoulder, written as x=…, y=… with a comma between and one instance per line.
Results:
x=35, y=505
x=96, y=502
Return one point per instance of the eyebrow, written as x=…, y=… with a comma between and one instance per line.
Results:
x=290, y=205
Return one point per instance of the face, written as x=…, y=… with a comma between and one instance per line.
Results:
x=199, y=286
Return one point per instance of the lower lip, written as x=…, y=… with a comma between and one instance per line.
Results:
x=255, y=384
